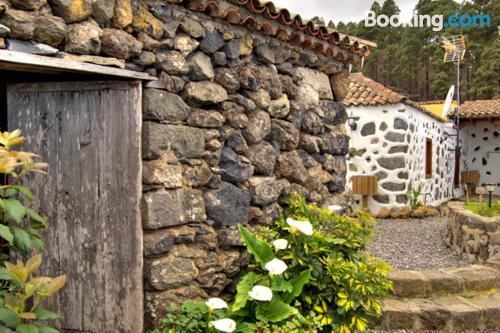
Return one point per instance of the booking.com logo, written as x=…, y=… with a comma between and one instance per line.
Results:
x=437, y=22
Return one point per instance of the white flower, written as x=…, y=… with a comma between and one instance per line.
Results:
x=261, y=293
x=224, y=325
x=304, y=227
x=216, y=303
x=280, y=244
x=336, y=209
x=276, y=267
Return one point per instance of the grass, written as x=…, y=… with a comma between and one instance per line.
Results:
x=483, y=209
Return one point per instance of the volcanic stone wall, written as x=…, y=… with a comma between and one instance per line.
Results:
x=236, y=123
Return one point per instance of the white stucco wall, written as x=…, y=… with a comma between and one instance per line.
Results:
x=390, y=143
x=482, y=151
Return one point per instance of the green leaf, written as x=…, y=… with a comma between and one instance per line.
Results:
x=260, y=249
x=47, y=329
x=43, y=314
x=22, y=241
x=5, y=275
x=38, y=244
x=38, y=222
x=27, y=328
x=27, y=193
x=14, y=210
x=4, y=329
x=245, y=328
x=298, y=283
x=9, y=317
x=273, y=311
x=6, y=234
x=280, y=284
x=244, y=287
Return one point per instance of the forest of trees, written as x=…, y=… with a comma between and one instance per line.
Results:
x=410, y=60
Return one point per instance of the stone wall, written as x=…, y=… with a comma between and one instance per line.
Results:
x=236, y=122
x=482, y=151
x=473, y=237
x=389, y=142
x=233, y=128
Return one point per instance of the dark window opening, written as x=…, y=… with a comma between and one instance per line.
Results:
x=428, y=158
x=456, y=178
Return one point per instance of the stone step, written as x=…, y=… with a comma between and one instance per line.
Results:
x=447, y=313
x=448, y=281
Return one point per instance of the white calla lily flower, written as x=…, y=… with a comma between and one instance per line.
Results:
x=280, y=244
x=216, y=303
x=261, y=293
x=276, y=267
x=304, y=227
x=224, y=325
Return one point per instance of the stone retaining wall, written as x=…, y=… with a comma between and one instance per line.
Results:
x=475, y=238
x=236, y=122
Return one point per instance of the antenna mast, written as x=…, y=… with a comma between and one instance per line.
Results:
x=454, y=47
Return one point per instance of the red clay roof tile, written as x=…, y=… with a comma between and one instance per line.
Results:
x=280, y=23
x=480, y=109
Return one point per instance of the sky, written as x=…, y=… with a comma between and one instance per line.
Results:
x=341, y=10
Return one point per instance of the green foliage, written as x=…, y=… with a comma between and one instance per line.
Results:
x=189, y=317
x=414, y=194
x=483, y=209
x=21, y=291
x=346, y=284
x=330, y=283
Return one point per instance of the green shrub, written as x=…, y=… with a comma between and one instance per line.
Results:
x=310, y=273
x=21, y=291
x=483, y=209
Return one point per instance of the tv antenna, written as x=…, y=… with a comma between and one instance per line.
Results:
x=454, y=51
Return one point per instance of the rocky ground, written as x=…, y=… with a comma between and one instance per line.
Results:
x=414, y=244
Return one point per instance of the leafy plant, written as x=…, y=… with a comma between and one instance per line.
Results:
x=310, y=274
x=347, y=284
x=22, y=297
x=414, y=194
x=483, y=209
x=189, y=317
x=21, y=291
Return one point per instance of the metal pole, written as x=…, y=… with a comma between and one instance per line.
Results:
x=457, y=122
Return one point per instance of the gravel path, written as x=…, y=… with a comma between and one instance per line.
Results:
x=414, y=244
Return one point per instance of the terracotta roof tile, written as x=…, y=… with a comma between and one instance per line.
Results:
x=364, y=91
x=283, y=25
x=480, y=109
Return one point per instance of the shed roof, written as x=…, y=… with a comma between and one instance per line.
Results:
x=264, y=16
x=480, y=109
x=364, y=91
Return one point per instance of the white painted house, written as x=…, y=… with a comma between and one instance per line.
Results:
x=480, y=129
x=401, y=143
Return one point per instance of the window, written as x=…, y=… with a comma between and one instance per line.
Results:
x=456, y=178
x=428, y=158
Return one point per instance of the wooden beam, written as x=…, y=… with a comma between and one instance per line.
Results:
x=30, y=62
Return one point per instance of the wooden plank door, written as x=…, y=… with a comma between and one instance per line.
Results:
x=89, y=133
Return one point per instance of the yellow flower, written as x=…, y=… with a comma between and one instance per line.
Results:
x=35, y=167
x=8, y=165
x=11, y=139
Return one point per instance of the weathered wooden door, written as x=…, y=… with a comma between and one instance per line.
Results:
x=89, y=133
